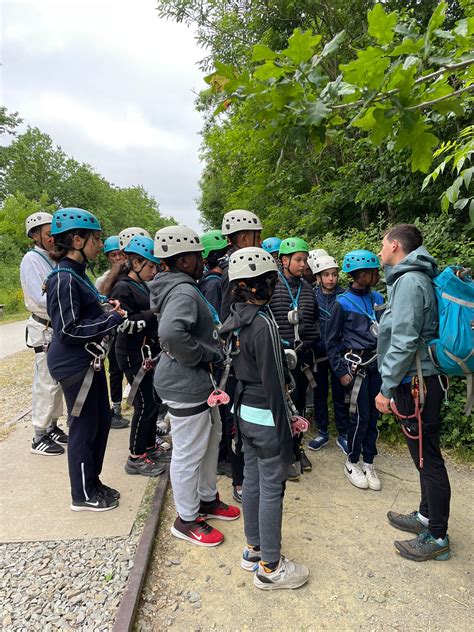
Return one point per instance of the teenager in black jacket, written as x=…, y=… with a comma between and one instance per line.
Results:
x=137, y=344
x=263, y=417
x=296, y=311
x=83, y=322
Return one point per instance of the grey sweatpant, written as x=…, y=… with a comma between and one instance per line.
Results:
x=263, y=488
x=194, y=459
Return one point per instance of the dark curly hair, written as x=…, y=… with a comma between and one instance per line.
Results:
x=63, y=242
x=259, y=288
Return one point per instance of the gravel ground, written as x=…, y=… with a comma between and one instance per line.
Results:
x=63, y=585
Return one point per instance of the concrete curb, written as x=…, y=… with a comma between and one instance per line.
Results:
x=131, y=596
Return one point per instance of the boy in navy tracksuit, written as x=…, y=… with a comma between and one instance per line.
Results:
x=82, y=322
x=351, y=344
x=327, y=290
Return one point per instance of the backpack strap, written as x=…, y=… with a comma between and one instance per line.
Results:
x=469, y=379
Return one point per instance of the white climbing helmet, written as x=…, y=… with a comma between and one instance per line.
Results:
x=127, y=234
x=176, y=240
x=36, y=220
x=247, y=263
x=313, y=255
x=235, y=221
x=324, y=263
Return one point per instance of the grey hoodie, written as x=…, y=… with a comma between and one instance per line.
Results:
x=410, y=320
x=187, y=336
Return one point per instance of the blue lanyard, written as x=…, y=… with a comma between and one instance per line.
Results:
x=371, y=315
x=294, y=299
x=139, y=286
x=47, y=259
x=215, y=315
x=84, y=280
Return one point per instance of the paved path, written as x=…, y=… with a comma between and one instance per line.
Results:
x=35, y=497
x=12, y=338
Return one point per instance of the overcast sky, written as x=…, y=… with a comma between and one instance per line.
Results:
x=113, y=86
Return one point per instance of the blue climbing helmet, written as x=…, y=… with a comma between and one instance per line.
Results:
x=111, y=244
x=66, y=219
x=360, y=260
x=271, y=244
x=142, y=246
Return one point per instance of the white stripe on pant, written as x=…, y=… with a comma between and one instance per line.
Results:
x=47, y=401
x=194, y=461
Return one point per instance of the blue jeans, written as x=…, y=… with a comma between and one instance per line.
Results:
x=321, y=392
x=362, y=430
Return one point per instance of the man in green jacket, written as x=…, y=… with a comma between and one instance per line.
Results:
x=408, y=323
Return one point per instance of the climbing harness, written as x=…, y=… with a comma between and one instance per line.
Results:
x=413, y=429
x=374, y=325
x=215, y=316
x=98, y=351
x=84, y=280
x=356, y=364
x=293, y=314
x=148, y=363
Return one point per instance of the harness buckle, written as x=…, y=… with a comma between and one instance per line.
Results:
x=353, y=360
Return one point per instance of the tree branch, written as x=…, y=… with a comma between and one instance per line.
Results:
x=384, y=95
x=422, y=106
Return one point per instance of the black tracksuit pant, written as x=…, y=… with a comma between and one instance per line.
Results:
x=87, y=435
x=146, y=405
x=434, y=481
x=321, y=392
x=115, y=377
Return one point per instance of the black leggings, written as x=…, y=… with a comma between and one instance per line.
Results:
x=434, y=481
x=146, y=406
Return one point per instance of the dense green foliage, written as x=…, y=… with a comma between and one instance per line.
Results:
x=35, y=175
x=324, y=119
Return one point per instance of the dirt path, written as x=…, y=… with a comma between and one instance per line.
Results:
x=358, y=581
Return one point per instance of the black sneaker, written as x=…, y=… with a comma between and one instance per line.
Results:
x=159, y=455
x=406, y=522
x=46, y=446
x=305, y=463
x=423, y=548
x=143, y=466
x=108, y=492
x=118, y=422
x=224, y=469
x=98, y=502
x=58, y=435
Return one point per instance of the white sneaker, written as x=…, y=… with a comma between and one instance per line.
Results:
x=371, y=476
x=354, y=473
x=288, y=574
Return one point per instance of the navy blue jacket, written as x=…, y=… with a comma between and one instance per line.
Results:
x=349, y=326
x=77, y=318
x=211, y=286
x=326, y=303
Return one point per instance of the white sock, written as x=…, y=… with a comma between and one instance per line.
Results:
x=424, y=521
x=440, y=540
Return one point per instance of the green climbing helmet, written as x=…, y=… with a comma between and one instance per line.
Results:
x=291, y=245
x=212, y=240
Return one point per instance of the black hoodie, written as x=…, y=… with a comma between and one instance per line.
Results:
x=260, y=366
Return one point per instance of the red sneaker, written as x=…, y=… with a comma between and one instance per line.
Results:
x=198, y=532
x=218, y=509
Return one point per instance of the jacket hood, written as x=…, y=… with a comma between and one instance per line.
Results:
x=419, y=260
x=163, y=283
x=241, y=314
